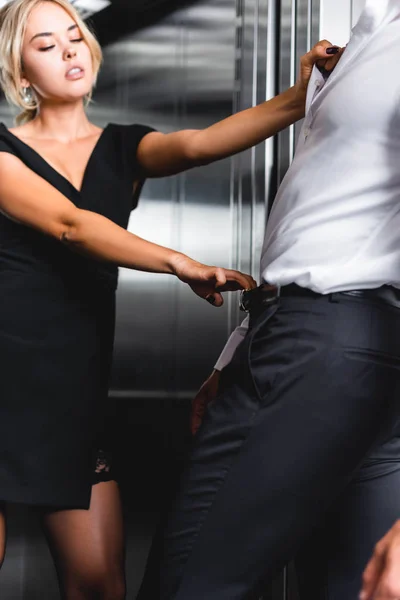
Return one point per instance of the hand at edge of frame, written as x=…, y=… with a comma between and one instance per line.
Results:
x=381, y=578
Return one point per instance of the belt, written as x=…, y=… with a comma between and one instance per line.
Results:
x=267, y=294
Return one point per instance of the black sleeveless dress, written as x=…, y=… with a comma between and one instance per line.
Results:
x=57, y=313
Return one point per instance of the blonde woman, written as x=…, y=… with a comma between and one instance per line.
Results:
x=66, y=190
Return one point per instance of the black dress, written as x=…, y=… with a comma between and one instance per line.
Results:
x=57, y=313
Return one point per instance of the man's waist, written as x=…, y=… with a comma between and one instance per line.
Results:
x=267, y=294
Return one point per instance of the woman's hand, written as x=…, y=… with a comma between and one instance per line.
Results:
x=208, y=282
x=325, y=56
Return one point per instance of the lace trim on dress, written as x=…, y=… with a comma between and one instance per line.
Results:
x=103, y=467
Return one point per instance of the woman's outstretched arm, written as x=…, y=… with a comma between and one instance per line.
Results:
x=165, y=154
x=27, y=198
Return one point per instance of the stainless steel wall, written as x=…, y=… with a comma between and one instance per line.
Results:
x=189, y=70
x=177, y=74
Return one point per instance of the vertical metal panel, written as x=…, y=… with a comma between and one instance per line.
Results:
x=314, y=20
x=255, y=82
x=177, y=74
x=286, y=79
x=299, y=29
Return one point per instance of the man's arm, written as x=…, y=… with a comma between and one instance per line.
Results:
x=209, y=389
x=381, y=579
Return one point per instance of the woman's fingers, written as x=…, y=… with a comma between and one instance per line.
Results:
x=226, y=280
x=331, y=63
x=328, y=63
x=320, y=53
x=324, y=49
x=215, y=299
x=235, y=280
x=209, y=282
x=220, y=278
x=324, y=54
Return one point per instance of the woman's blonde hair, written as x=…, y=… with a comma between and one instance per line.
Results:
x=13, y=21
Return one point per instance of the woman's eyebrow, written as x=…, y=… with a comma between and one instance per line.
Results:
x=49, y=33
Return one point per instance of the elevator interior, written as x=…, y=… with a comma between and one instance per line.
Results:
x=178, y=65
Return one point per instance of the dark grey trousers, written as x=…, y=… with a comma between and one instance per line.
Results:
x=297, y=458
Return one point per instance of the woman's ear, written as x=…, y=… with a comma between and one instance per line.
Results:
x=25, y=83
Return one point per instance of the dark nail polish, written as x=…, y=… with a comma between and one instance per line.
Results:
x=210, y=299
x=333, y=50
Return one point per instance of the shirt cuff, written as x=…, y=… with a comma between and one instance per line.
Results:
x=234, y=341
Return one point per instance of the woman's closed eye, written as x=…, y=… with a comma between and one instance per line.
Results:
x=46, y=48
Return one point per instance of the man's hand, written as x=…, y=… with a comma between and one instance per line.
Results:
x=381, y=579
x=205, y=395
x=324, y=55
x=208, y=282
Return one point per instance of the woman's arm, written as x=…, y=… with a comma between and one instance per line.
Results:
x=161, y=155
x=30, y=200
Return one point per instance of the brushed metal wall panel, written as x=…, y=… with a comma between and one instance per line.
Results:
x=177, y=74
x=298, y=30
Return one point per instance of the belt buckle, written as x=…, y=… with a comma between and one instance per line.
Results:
x=245, y=300
x=266, y=294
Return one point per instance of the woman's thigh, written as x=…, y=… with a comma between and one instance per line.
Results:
x=331, y=563
x=88, y=546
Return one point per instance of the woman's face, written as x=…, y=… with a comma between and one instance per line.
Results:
x=56, y=60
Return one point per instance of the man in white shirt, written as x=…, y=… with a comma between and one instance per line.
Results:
x=299, y=454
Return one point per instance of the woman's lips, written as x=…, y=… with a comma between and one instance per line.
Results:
x=75, y=73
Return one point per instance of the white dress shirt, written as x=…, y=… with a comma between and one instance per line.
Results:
x=335, y=222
